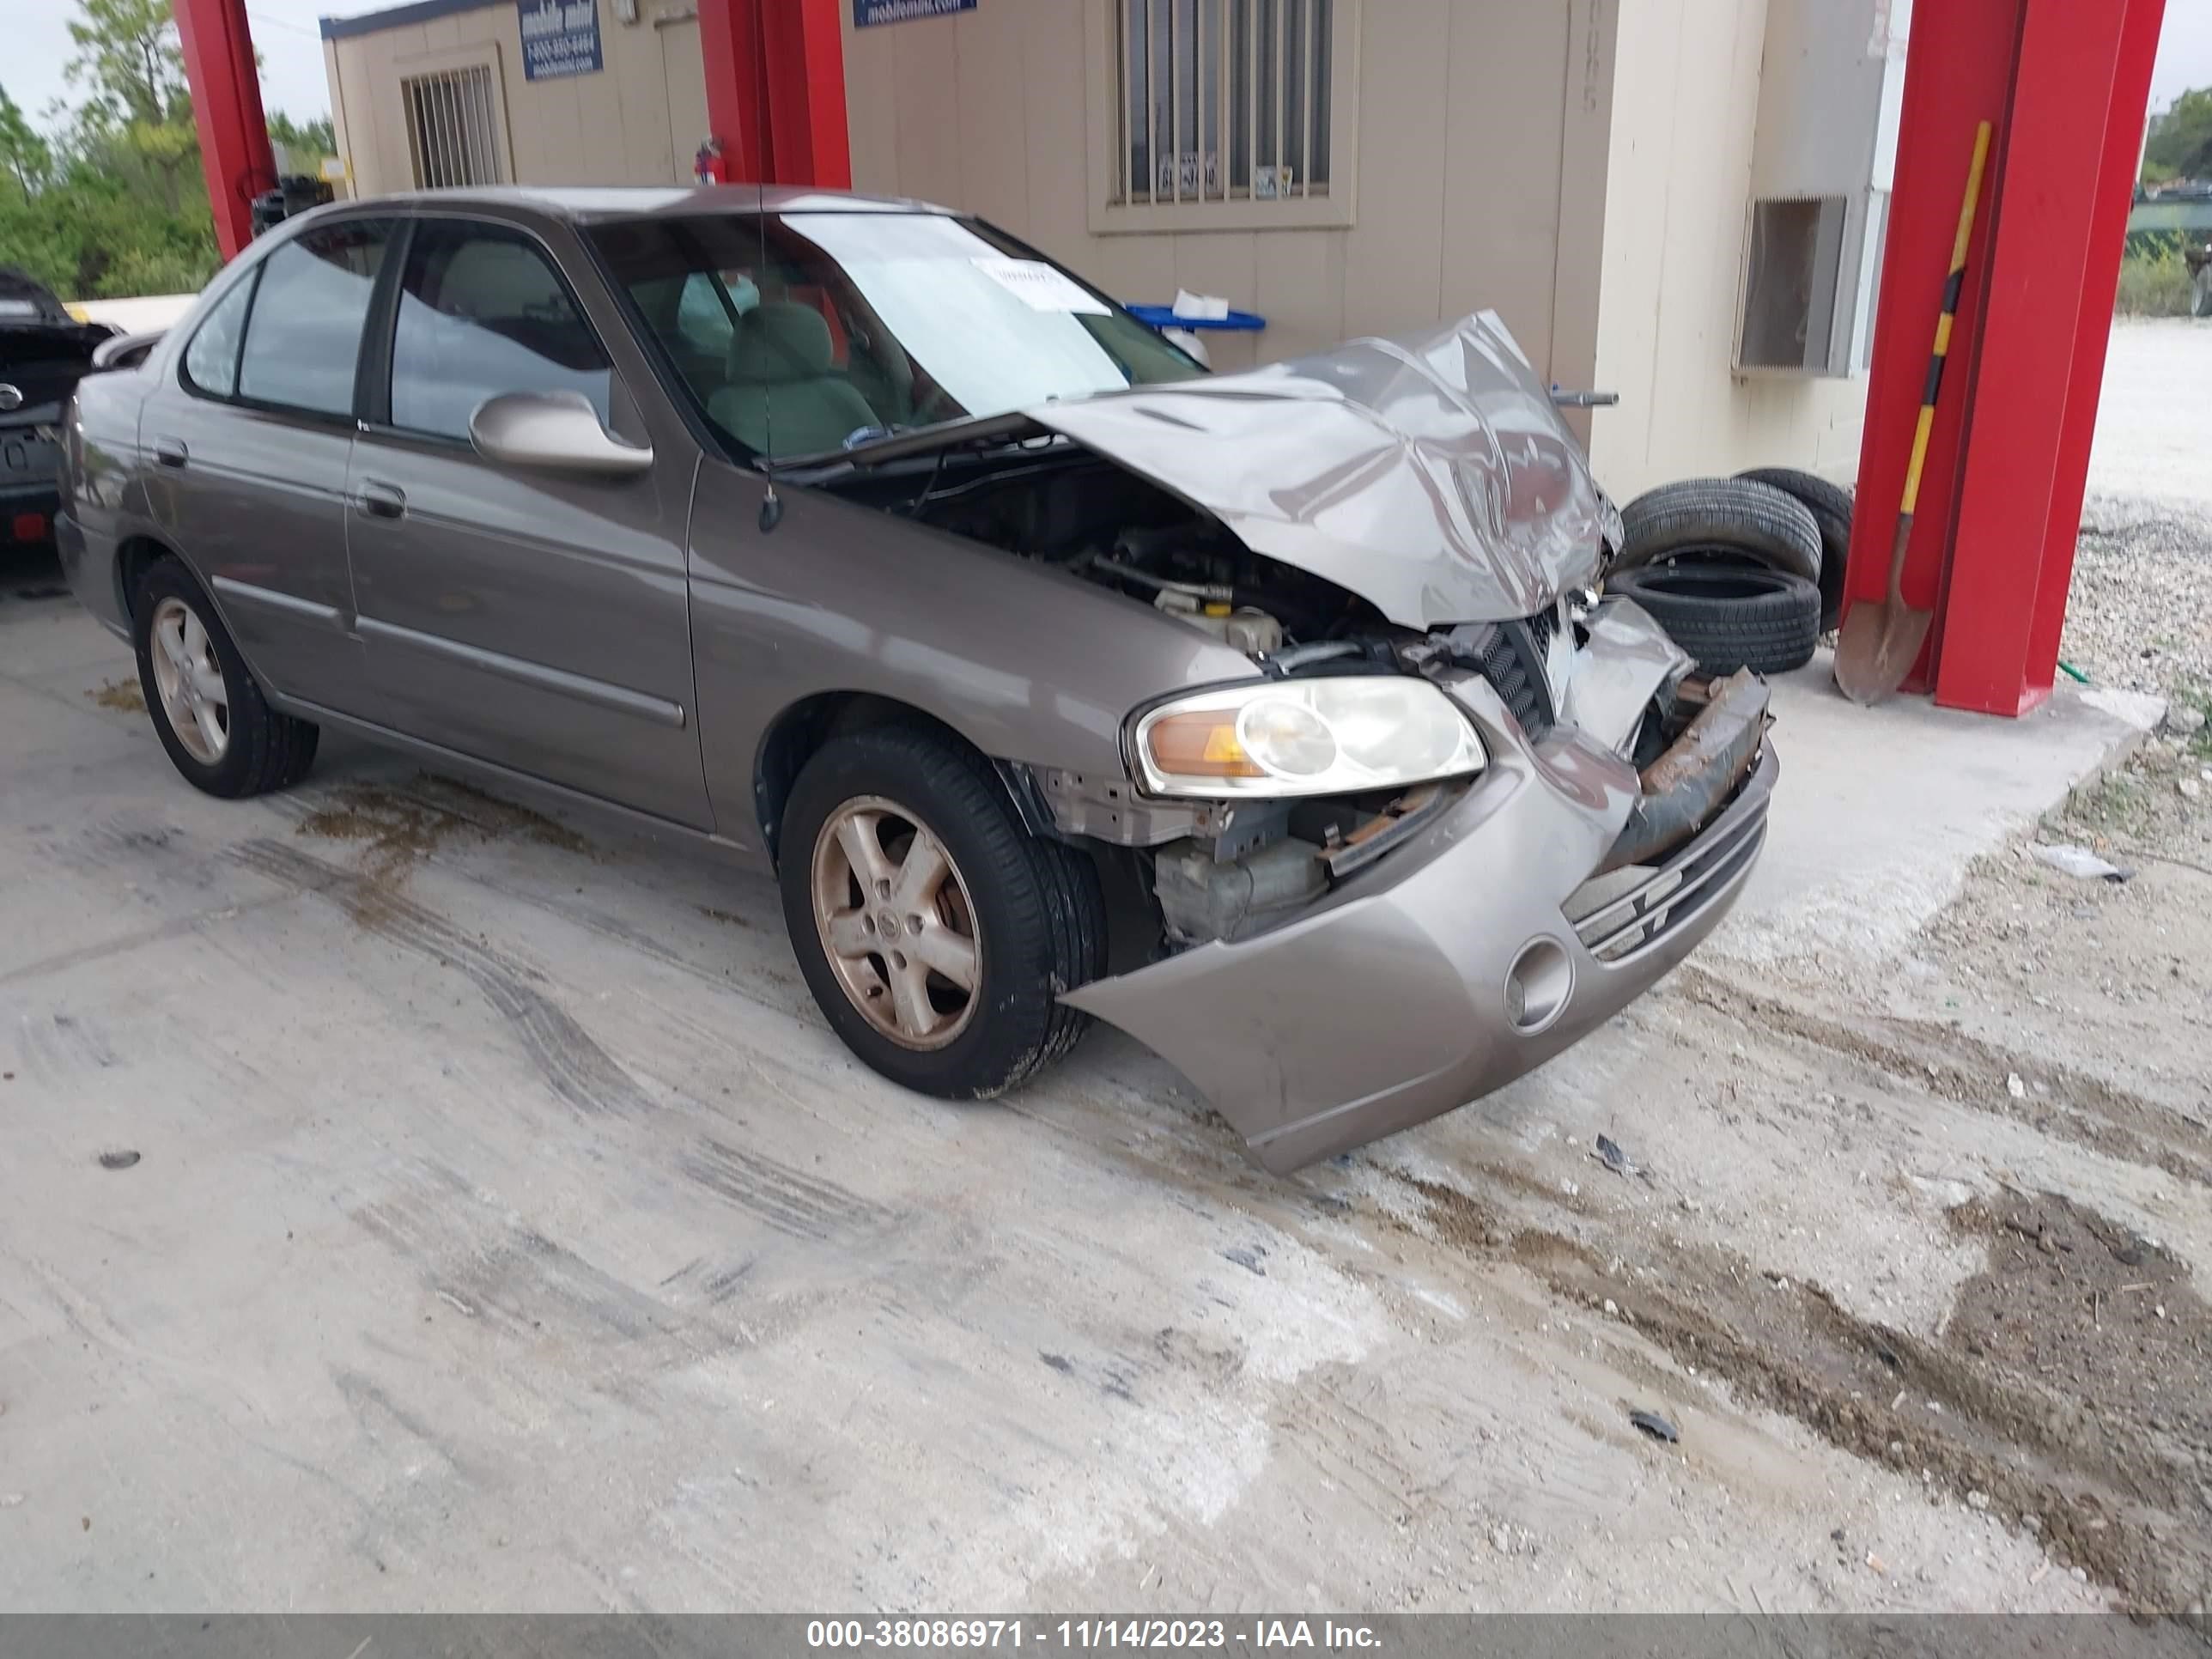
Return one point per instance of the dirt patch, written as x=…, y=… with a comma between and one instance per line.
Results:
x=123, y=696
x=2101, y=1454
x=2090, y=1111
x=728, y=917
x=399, y=827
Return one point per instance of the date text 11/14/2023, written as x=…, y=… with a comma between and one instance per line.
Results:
x=930, y=1635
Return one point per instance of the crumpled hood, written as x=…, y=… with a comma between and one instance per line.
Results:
x=1431, y=476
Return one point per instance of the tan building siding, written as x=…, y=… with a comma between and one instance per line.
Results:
x=637, y=121
x=1582, y=166
x=1473, y=127
x=1685, y=106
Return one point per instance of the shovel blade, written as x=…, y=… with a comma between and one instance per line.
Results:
x=1879, y=643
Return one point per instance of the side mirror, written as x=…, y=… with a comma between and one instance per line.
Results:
x=124, y=350
x=558, y=430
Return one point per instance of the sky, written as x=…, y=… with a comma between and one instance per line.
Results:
x=292, y=80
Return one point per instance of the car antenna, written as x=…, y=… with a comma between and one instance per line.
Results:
x=771, y=508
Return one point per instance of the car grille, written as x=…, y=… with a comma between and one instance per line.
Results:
x=1511, y=656
x=1679, y=889
x=43, y=381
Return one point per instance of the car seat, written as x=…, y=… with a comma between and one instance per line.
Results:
x=782, y=386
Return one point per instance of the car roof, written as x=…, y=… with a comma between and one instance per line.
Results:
x=594, y=204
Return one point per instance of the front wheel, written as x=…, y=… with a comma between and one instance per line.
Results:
x=935, y=932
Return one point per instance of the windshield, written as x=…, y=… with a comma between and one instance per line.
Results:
x=801, y=332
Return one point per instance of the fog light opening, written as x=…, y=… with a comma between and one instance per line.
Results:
x=1538, y=984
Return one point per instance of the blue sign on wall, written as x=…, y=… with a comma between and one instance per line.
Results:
x=559, y=37
x=865, y=12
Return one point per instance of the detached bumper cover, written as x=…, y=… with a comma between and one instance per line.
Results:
x=1387, y=1003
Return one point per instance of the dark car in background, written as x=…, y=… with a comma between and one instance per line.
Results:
x=858, y=541
x=43, y=353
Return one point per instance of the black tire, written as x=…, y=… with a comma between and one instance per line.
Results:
x=1038, y=913
x=1830, y=508
x=1753, y=519
x=264, y=750
x=1728, y=615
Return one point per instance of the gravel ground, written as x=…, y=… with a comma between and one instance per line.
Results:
x=2140, y=613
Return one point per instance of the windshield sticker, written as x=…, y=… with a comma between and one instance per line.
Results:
x=1039, y=287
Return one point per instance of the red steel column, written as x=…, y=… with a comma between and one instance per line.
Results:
x=737, y=86
x=1957, y=73
x=2123, y=132
x=2066, y=84
x=775, y=90
x=234, y=153
x=806, y=94
x=2045, y=258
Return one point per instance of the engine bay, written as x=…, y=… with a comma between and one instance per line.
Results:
x=1050, y=500
x=1223, y=871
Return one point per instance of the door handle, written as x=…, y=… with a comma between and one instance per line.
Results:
x=170, y=452
x=382, y=500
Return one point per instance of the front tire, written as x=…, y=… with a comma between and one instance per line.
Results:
x=219, y=729
x=935, y=932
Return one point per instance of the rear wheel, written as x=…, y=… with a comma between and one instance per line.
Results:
x=1728, y=615
x=935, y=932
x=219, y=729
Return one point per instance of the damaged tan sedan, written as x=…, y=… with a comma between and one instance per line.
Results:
x=857, y=540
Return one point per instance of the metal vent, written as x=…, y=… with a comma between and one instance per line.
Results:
x=1512, y=658
x=452, y=127
x=1793, y=276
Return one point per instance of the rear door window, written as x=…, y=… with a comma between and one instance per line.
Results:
x=483, y=312
x=303, y=336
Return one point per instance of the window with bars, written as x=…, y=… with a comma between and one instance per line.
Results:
x=452, y=127
x=1224, y=101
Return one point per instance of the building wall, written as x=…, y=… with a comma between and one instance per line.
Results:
x=1582, y=166
x=1480, y=155
x=639, y=120
x=1685, y=107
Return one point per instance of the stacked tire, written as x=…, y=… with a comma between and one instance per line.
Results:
x=1743, y=573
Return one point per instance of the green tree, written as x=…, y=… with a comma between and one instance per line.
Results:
x=27, y=156
x=115, y=203
x=307, y=139
x=129, y=62
x=2179, y=145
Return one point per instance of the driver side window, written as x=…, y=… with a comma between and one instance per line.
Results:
x=483, y=312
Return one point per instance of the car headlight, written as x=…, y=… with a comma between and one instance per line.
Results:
x=1329, y=736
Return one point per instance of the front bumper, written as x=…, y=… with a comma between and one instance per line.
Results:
x=1459, y=962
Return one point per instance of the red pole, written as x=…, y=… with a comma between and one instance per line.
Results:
x=1958, y=72
x=807, y=94
x=2045, y=257
x=234, y=153
x=2123, y=132
x=737, y=80
x=789, y=55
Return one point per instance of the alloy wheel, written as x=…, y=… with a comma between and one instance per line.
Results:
x=189, y=680
x=896, y=923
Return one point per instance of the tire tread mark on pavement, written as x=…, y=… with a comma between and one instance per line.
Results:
x=573, y=1064
x=786, y=1199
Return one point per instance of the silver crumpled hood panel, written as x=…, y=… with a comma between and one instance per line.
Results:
x=1430, y=476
